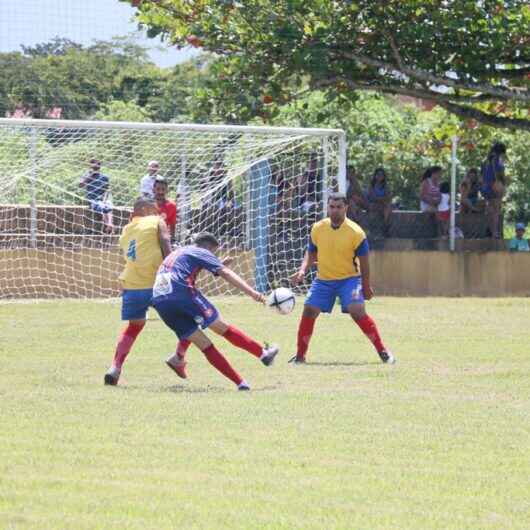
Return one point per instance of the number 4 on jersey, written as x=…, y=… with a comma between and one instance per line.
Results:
x=131, y=251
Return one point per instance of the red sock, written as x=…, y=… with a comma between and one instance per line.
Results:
x=219, y=361
x=305, y=330
x=125, y=342
x=239, y=339
x=182, y=348
x=370, y=330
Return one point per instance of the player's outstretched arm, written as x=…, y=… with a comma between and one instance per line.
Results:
x=310, y=258
x=164, y=238
x=233, y=279
x=365, y=277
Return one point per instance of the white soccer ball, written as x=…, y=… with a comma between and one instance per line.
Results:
x=281, y=300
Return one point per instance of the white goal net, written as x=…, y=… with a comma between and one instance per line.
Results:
x=66, y=190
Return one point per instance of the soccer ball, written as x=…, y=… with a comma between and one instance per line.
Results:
x=281, y=300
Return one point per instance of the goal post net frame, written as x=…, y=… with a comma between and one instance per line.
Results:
x=53, y=240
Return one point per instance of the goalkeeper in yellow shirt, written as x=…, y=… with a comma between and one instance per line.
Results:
x=340, y=249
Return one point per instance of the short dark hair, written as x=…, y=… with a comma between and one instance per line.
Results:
x=337, y=197
x=142, y=202
x=160, y=180
x=498, y=148
x=205, y=238
x=444, y=187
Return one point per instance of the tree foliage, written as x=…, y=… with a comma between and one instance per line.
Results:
x=472, y=58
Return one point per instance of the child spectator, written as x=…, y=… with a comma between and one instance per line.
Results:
x=444, y=209
x=518, y=243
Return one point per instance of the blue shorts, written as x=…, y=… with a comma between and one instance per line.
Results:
x=184, y=315
x=323, y=293
x=135, y=303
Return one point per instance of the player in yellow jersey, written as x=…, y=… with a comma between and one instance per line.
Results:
x=145, y=242
x=340, y=249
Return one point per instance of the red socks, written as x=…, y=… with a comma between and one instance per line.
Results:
x=182, y=348
x=239, y=339
x=125, y=343
x=219, y=361
x=369, y=328
x=305, y=330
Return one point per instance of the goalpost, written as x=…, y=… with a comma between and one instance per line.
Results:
x=258, y=189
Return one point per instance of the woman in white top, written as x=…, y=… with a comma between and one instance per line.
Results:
x=430, y=195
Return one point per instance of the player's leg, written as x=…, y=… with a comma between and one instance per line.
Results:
x=305, y=331
x=217, y=359
x=135, y=303
x=236, y=337
x=321, y=297
x=352, y=302
x=182, y=319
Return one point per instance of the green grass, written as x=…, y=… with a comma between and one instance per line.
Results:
x=439, y=441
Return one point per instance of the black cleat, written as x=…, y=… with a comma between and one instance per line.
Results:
x=112, y=376
x=296, y=360
x=386, y=357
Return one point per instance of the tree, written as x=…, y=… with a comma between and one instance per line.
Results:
x=471, y=58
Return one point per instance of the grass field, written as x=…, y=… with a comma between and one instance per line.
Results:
x=441, y=440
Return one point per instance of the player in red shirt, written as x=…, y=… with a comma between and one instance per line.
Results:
x=166, y=208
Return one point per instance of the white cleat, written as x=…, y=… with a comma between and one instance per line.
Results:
x=269, y=353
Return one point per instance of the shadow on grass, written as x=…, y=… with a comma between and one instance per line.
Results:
x=336, y=363
x=185, y=389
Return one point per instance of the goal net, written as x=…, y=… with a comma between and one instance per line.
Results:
x=66, y=191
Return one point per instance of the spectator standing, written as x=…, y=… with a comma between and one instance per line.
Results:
x=379, y=197
x=166, y=208
x=97, y=192
x=354, y=195
x=444, y=209
x=494, y=186
x=430, y=195
x=518, y=243
x=148, y=181
x=469, y=190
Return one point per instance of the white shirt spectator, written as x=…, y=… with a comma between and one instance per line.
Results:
x=443, y=206
x=146, y=186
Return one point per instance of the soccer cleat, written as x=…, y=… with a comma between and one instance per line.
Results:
x=297, y=360
x=387, y=357
x=178, y=365
x=112, y=376
x=269, y=353
x=243, y=386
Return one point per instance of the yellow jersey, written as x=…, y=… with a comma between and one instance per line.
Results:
x=336, y=249
x=140, y=245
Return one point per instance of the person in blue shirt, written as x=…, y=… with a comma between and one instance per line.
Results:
x=379, y=197
x=97, y=193
x=519, y=243
x=186, y=311
x=494, y=186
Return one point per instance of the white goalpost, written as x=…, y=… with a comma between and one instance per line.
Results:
x=258, y=189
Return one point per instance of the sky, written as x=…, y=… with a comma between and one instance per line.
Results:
x=32, y=21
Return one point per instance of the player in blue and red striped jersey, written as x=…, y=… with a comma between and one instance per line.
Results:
x=187, y=311
x=340, y=249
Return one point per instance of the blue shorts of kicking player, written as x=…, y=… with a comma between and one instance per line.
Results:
x=186, y=314
x=323, y=293
x=135, y=303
